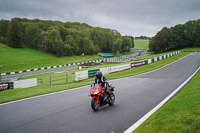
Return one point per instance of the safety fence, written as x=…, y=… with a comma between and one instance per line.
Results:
x=54, y=79
x=91, y=73
x=19, y=84
x=25, y=83
x=64, y=78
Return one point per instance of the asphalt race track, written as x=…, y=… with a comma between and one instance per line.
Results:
x=70, y=111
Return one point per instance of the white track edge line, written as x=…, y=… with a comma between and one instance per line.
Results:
x=146, y=116
x=84, y=86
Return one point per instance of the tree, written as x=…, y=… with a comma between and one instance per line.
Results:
x=197, y=34
x=74, y=49
x=126, y=43
x=14, y=36
x=31, y=35
x=54, y=40
x=117, y=47
x=177, y=38
x=192, y=33
x=86, y=46
x=3, y=30
x=43, y=42
x=62, y=39
x=159, y=43
x=132, y=41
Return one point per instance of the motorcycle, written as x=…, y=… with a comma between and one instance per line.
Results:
x=101, y=98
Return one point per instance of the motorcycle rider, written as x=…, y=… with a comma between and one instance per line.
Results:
x=101, y=80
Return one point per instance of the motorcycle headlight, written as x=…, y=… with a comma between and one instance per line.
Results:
x=96, y=92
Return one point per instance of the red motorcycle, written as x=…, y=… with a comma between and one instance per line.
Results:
x=101, y=98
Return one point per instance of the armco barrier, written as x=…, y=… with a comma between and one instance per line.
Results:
x=119, y=68
x=145, y=62
x=92, y=73
x=155, y=59
x=81, y=75
x=25, y=83
x=160, y=57
x=138, y=64
x=104, y=70
x=149, y=61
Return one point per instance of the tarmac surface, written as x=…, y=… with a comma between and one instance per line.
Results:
x=71, y=112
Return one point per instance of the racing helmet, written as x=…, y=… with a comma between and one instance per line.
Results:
x=98, y=75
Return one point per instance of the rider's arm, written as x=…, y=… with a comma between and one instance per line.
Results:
x=104, y=79
x=95, y=81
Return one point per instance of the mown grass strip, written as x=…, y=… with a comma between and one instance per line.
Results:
x=181, y=114
x=16, y=94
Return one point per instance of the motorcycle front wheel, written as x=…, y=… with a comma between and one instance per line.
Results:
x=95, y=106
x=112, y=99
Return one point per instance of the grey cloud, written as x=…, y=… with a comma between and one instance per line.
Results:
x=132, y=17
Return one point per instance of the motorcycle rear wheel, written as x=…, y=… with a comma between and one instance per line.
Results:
x=95, y=106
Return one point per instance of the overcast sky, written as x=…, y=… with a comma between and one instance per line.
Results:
x=129, y=17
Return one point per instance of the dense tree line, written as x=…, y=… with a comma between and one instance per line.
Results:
x=62, y=39
x=177, y=37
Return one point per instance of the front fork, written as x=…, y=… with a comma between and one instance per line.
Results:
x=97, y=98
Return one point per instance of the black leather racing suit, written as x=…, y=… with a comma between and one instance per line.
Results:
x=103, y=82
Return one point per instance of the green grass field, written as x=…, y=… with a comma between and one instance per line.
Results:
x=13, y=59
x=180, y=115
x=141, y=44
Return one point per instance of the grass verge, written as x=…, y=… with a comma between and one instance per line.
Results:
x=181, y=114
x=16, y=94
x=191, y=50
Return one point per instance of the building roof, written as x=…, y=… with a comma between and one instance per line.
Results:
x=105, y=54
